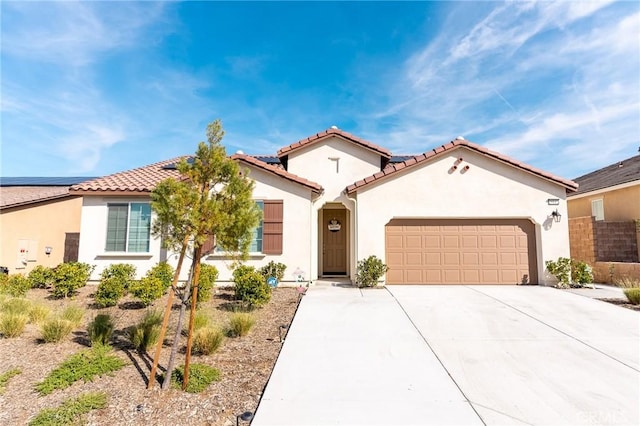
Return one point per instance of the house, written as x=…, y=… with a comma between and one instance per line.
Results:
x=39, y=222
x=455, y=214
x=604, y=220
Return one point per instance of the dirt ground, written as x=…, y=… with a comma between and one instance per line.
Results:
x=245, y=364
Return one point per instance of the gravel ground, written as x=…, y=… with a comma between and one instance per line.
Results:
x=245, y=364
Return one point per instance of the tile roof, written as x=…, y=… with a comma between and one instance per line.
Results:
x=137, y=181
x=16, y=196
x=624, y=171
x=436, y=152
x=278, y=171
x=333, y=132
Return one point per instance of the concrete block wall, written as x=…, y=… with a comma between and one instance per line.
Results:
x=616, y=241
x=609, y=272
x=582, y=239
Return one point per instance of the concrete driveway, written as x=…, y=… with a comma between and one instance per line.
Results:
x=455, y=355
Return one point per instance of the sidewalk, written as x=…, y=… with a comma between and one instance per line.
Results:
x=599, y=291
x=352, y=357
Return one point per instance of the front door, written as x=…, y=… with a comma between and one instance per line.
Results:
x=334, y=247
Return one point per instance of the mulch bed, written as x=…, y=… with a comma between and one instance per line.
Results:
x=245, y=364
x=623, y=303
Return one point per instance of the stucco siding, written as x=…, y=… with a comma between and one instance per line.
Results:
x=44, y=223
x=488, y=189
x=619, y=205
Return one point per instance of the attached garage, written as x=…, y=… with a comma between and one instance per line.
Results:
x=461, y=251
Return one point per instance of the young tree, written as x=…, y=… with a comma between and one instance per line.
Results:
x=213, y=199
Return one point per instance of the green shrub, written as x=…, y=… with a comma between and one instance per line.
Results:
x=69, y=277
x=206, y=282
x=147, y=289
x=41, y=277
x=114, y=282
x=164, y=272
x=202, y=319
x=200, y=376
x=71, y=410
x=15, y=285
x=12, y=324
x=145, y=334
x=273, y=269
x=5, y=377
x=16, y=305
x=84, y=365
x=240, y=323
x=207, y=340
x=633, y=294
x=369, y=271
x=55, y=329
x=250, y=286
x=570, y=272
x=100, y=329
x=39, y=313
x=74, y=314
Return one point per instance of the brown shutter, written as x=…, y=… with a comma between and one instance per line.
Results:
x=272, y=227
x=71, y=245
x=209, y=245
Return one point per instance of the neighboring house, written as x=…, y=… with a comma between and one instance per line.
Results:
x=39, y=222
x=455, y=214
x=604, y=219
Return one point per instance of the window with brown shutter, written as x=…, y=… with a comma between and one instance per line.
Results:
x=272, y=227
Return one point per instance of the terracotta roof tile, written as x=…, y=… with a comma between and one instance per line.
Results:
x=331, y=132
x=621, y=172
x=248, y=159
x=15, y=196
x=390, y=170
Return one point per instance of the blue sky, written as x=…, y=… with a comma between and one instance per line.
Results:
x=94, y=88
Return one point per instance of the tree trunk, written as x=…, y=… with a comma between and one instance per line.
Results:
x=176, y=341
x=167, y=313
x=192, y=314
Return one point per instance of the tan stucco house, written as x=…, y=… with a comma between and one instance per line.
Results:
x=455, y=214
x=39, y=222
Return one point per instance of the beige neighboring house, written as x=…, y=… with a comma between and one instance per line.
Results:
x=604, y=219
x=39, y=222
x=455, y=214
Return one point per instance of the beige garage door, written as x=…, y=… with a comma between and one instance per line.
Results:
x=460, y=251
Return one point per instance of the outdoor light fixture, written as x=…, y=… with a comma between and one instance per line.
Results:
x=556, y=216
x=47, y=250
x=280, y=329
x=245, y=417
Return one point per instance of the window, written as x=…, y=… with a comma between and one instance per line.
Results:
x=597, y=209
x=256, y=240
x=128, y=227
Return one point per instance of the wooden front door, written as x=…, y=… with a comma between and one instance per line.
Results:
x=334, y=247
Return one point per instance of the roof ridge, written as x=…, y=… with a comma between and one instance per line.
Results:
x=316, y=187
x=333, y=131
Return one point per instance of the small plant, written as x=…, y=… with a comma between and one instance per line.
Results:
x=206, y=282
x=164, y=272
x=71, y=410
x=84, y=365
x=202, y=319
x=147, y=289
x=145, y=334
x=16, y=305
x=5, y=377
x=13, y=324
x=73, y=314
x=570, y=272
x=200, y=376
x=240, y=323
x=369, y=271
x=39, y=313
x=55, y=329
x=100, y=329
x=15, y=285
x=41, y=277
x=633, y=294
x=114, y=283
x=627, y=282
x=250, y=286
x=69, y=277
x=207, y=340
x=273, y=269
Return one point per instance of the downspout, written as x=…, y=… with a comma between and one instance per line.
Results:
x=355, y=232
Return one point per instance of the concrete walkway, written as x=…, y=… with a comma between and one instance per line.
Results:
x=455, y=355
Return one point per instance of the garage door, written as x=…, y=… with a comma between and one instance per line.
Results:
x=460, y=251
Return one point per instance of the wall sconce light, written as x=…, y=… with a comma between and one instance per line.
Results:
x=556, y=216
x=245, y=417
x=48, y=250
x=553, y=201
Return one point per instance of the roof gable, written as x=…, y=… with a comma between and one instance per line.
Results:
x=278, y=171
x=393, y=169
x=622, y=172
x=329, y=133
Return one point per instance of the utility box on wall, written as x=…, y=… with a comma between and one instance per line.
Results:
x=27, y=252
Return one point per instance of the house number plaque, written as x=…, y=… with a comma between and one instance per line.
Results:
x=334, y=225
